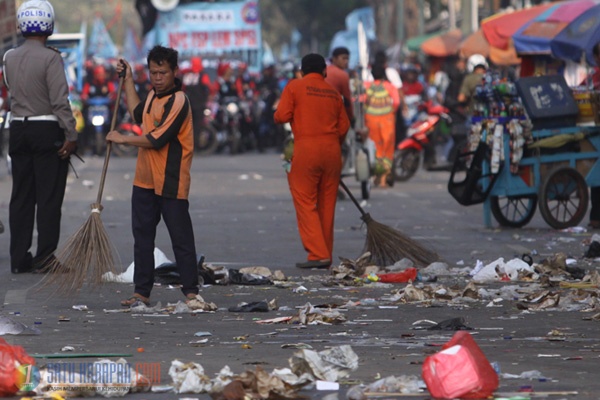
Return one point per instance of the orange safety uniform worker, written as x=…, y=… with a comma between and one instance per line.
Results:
x=319, y=122
x=380, y=118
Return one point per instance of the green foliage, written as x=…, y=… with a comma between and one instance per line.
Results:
x=316, y=20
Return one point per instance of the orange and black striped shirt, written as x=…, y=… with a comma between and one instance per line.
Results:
x=166, y=121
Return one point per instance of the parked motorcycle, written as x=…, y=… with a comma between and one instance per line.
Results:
x=427, y=137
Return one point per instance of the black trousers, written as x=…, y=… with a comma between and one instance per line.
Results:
x=146, y=211
x=39, y=181
x=595, y=200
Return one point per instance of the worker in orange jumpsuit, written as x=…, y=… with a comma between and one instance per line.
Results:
x=319, y=121
x=382, y=100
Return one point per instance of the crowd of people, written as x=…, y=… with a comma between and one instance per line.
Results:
x=167, y=98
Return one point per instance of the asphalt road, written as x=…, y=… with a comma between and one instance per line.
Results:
x=243, y=216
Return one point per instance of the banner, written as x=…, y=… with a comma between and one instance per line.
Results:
x=230, y=29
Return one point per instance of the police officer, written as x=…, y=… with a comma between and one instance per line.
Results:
x=42, y=137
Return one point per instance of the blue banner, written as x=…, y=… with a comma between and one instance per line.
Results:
x=230, y=29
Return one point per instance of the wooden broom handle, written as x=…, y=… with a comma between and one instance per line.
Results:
x=343, y=185
x=113, y=124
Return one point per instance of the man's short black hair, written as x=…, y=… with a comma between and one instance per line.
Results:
x=378, y=72
x=160, y=54
x=338, y=51
x=313, y=63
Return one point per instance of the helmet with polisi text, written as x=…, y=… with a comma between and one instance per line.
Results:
x=36, y=18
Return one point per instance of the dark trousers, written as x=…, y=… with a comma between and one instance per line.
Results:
x=595, y=199
x=146, y=211
x=39, y=181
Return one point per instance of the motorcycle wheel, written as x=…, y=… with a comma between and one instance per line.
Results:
x=406, y=163
x=99, y=142
x=235, y=141
x=124, y=150
x=206, y=140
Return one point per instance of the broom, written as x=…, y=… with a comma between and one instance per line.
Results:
x=387, y=245
x=88, y=254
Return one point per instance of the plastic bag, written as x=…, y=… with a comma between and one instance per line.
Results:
x=409, y=274
x=15, y=369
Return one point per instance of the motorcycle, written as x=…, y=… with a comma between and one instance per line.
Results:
x=98, y=115
x=228, y=125
x=428, y=136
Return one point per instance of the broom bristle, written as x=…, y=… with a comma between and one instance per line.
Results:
x=86, y=257
x=388, y=246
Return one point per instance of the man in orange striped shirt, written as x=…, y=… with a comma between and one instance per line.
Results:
x=316, y=113
x=162, y=176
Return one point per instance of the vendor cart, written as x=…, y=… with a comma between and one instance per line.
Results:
x=553, y=170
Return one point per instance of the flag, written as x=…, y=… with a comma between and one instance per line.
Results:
x=100, y=43
x=132, y=47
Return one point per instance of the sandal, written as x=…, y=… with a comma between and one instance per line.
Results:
x=135, y=300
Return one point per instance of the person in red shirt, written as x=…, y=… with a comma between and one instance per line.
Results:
x=319, y=122
x=339, y=78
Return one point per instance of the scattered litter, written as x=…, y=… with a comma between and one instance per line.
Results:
x=404, y=384
x=255, y=306
x=10, y=327
x=68, y=348
x=531, y=375
x=80, y=307
x=329, y=365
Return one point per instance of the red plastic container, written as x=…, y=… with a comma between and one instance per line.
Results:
x=460, y=370
x=409, y=274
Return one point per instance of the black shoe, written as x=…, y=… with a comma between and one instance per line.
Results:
x=314, y=264
x=50, y=264
x=24, y=270
x=25, y=267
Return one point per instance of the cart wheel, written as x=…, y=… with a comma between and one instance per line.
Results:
x=406, y=163
x=563, y=198
x=365, y=189
x=513, y=211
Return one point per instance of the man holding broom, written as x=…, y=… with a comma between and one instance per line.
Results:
x=162, y=177
x=42, y=137
x=319, y=121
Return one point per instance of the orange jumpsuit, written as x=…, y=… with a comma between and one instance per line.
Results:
x=382, y=122
x=319, y=122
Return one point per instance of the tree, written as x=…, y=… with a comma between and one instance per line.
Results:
x=316, y=20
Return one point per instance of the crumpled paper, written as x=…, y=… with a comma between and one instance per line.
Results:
x=189, y=377
x=328, y=365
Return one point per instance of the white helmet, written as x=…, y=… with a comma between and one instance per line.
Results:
x=476, y=60
x=36, y=17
